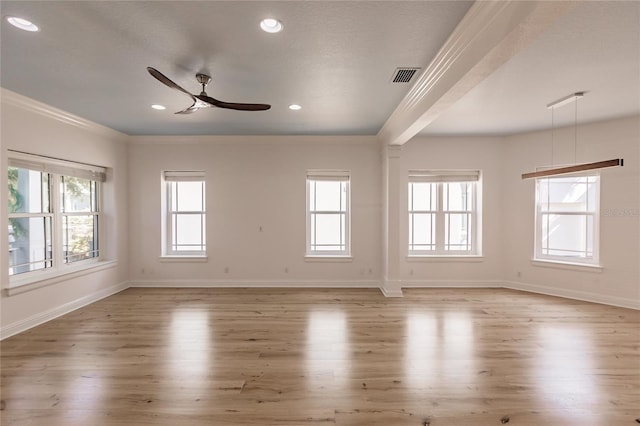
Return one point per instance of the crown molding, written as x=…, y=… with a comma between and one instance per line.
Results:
x=31, y=105
x=491, y=33
x=255, y=140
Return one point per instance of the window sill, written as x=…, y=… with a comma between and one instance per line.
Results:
x=439, y=258
x=583, y=267
x=186, y=259
x=39, y=279
x=325, y=258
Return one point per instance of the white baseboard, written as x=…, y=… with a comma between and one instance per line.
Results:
x=391, y=292
x=391, y=288
x=27, y=323
x=574, y=294
x=23, y=325
x=257, y=283
x=388, y=291
x=452, y=284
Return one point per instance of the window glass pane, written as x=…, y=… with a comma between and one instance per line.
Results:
x=78, y=195
x=329, y=196
x=327, y=230
x=567, y=235
x=458, y=235
x=457, y=196
x=189, y=196
x=29, y=244
x=189, y=230
x=421, y=231
x=79, y=237
x=567, y=194
x=28, y=191
x=422, y=196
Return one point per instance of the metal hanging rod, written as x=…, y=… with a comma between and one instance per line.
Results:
x=566, y=100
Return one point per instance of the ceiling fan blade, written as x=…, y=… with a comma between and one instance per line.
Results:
x=165, y=80
x=231, y=105
x=193, y=108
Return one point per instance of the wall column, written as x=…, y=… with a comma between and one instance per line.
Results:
x=391, y=220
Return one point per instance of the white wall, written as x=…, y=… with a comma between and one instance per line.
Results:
x=465, y=153
x=259, y=181
x=36, y=128
x=619, y=281
x=253, y=182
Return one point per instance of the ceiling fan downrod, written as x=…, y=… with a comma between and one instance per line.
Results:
x=204, y=80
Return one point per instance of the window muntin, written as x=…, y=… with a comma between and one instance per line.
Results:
x=442, y=208
x=50, y=224
x=186, y=214
x=328, y=214
x=567, y=219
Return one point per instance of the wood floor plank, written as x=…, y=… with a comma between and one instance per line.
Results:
x=326, y=356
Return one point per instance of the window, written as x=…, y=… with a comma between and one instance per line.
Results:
x=443, y=213
x=185, y=233
x=328, y=213
x=53, y=213
x=567, y=219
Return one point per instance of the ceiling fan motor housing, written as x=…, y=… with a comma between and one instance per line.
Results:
x=203, y=79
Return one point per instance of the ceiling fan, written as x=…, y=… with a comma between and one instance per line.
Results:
x=203, y=100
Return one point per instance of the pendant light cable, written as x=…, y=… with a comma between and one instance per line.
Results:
x=576, y=168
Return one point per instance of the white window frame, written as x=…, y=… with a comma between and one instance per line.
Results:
x=439, y=178
x=57, y=169
x=594, y=259
x=168, y=180
x=329, y=175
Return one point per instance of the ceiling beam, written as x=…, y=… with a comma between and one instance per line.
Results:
x=490, y=34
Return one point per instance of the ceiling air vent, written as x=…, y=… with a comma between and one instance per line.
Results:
x=404, y=74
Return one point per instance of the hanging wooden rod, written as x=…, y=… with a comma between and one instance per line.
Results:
x=574, y=169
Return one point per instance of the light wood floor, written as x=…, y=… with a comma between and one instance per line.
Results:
x=345, y=357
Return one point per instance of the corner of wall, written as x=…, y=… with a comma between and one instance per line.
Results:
x=8, y=330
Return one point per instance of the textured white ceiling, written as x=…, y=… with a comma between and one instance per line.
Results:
x=595, y=48
x=334, y=58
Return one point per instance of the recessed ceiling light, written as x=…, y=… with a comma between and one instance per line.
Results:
x=295, y=107
x=158, y=107
x=271, y=25
x=21, y=23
